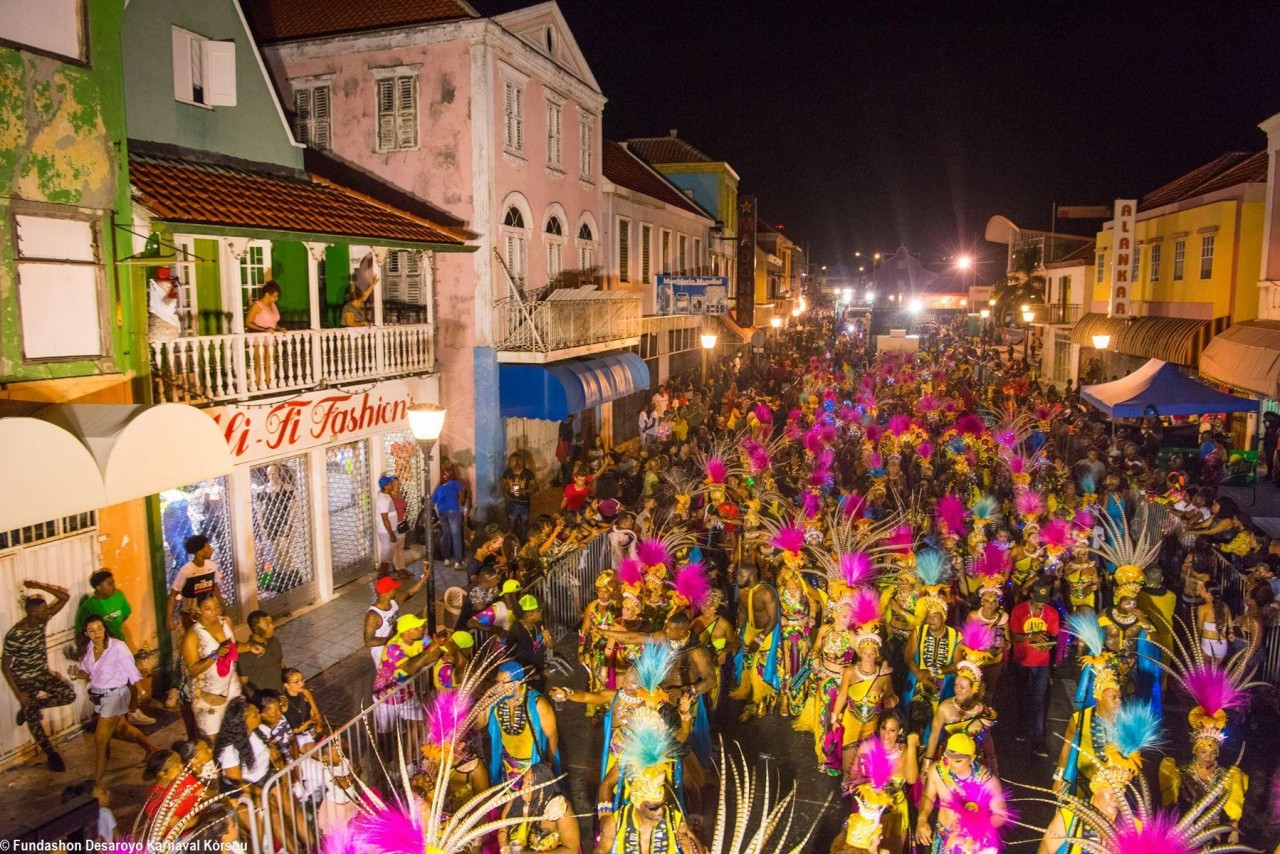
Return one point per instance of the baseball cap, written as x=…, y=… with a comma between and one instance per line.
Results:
x=463, y=640
x=528, y=602
x=385, y=585
x=408, y=622
x=1040, y=592
x=510, y=586
x=385, y=479
x=963, y=744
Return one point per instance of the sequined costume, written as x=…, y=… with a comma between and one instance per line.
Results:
x=834, y=654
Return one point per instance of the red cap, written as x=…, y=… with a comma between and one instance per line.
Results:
x=385, y=585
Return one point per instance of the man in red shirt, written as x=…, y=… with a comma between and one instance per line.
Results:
x=1034, y=625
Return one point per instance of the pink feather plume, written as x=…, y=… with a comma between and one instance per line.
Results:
x=630, y=571
x=855, y=568
x=977, y=635
x=763, y=414
x=900, y=539
x=925, y=450
x=790, y=538
x=813, y=440
x=865, y=609
x=691, y=582
x=652, y=552
x=950, y=513
x=898, y=425
x=874, y=432
x=1056, y=533
x=793, y=432
x=973, y=805
x=757, y=455
x=853, y=505
x=795, y=415
x=1213, y=690
x=1028, y=503
x=1159, y=834
x=447, y=713
x=390, y=831
x=1083, y=520
x=876, y=762
x=1006, y=438
x=716, y=470
x=811, y=503
x=927, y=404
x=970, y=425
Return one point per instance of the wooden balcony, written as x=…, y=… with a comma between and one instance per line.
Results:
x=215, y=368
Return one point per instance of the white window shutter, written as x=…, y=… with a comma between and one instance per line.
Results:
x=519, y=116
x=181, y=65
x=413, y=279
x=386, y=114
x=508, y=115
x=302, y=115
x=320, y=137
x=407, y=112
x=219, y=59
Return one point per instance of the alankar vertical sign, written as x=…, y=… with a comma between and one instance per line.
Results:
x=1122, y=249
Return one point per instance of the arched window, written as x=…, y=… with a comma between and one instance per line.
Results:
x=586, y=247
x=554, y=240
x=514, y=219
x=515, y=243
x=584, y=233
x=554, y=226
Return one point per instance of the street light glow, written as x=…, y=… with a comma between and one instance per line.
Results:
x=964, y=262
x=426, y=421
x=1101, y=342
x=985, y=313
x=708, y=340
x=1028, y=316
x=848, y=294
x=915, y=306
x=871, y=297
x=775, y=322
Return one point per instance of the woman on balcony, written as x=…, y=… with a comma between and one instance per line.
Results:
x=353, y=311
x=264, y=316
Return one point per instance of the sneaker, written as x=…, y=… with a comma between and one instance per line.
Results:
x=140, y=718
x=56, y=764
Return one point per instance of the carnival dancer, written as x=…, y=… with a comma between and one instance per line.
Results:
x=1097, y=703
x=931, y=648
x=833, y=651
x=756, y=663
x=1137, y=660
x=715, y=632
x=966, y=711
x=991, y=614
x=865, y=691
x=891, y=767
x=961, y=789
x=1080, y=578
x=649, y=821
x=522, y=728
x=799, y=609
x=547, y=825
x=593, y=644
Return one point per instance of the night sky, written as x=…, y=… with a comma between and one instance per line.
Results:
x=862, y=126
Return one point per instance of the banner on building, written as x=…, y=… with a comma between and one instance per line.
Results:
x=1122, y=247
x=745, y=307
x=318, y=418
x=693, y=295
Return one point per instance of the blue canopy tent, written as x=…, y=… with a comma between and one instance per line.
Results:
x=1160, y=386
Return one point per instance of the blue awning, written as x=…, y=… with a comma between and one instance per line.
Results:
x=555, y=391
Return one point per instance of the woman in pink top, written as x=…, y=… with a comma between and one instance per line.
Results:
x=110, y=670
x=264, y=316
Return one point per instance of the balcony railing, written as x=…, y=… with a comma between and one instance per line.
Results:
x=1058, y=313
x=566, y=320
x=212, y=368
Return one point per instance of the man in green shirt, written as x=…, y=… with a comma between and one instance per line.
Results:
x=106, y=602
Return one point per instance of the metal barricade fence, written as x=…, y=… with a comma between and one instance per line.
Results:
x=570, y=584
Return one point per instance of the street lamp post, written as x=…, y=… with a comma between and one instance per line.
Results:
x=1027, y=316
x=426, y=420
x=708, y=344
x=1101, y=343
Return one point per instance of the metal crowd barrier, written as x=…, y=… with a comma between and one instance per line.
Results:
x=570, y=584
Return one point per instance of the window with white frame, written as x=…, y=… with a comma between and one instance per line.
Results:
x=682, y=256
x=515, y=243
x=60, y=282
x=255, y=270
x=1153, y=264
x=646, y=241
x=311, y=116
x=55, y=27
x=397, y=94
x=402, y=278
x=1100, y=273
x=555, y=113
x=586, y=247
x=554, y=237
x=624, y=250
x=586, y=146
x=664, y=253
x=513, y=116
x=1137, y=262
x=697, y=255
x=204, y=70
x=1206, y=256
x=1179, y=259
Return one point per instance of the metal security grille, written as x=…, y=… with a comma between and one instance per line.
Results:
x=200, y=508
x=404, y=460
x=350, y=511
x=282, y=535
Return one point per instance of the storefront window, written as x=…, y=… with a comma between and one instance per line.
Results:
x=200, y=508
x=282, y=534
x=350, y=511
x=404, y=460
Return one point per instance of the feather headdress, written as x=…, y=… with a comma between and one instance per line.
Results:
x=949, y=515
x=716, y=470
x=870, y=799
x=865, y=608
x=976, y=805
x=652, y=666
x=1131, y=555
x=648, y=748
x=1135, y=728
x=653, y=552
x=756, y=455
x=631, y=572
x=692, y=585
x=788, y=539
x=856, y=568
x=1084, y=626
x=1029, y=504
x=900, y=539
x=734, y=831
x=1215, y=688
x=932, y=567
x=986, y=510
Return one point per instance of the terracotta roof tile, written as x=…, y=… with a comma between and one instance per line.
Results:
x=626, y=170
x=184, y=191
x=282, y=20
x=666, y=149
x=1201, y=180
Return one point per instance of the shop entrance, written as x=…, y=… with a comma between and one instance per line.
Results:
x=283, y=556
x=350, y=511
x=200, y=508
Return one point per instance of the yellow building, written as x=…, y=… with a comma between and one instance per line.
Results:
x=1194, y=269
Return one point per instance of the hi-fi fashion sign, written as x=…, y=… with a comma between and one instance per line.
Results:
x=318, y=418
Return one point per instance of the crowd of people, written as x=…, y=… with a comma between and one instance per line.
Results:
x=881, y=549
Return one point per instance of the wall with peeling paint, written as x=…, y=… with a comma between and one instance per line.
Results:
x=62, y=143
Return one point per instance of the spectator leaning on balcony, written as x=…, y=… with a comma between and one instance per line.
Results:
x=264, y=313
x=162, y=307
x=353, y=310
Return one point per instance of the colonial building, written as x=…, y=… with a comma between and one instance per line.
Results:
x=498, y=121
x=309, y=390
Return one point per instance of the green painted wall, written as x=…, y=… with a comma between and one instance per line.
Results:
x=251, y=130
x=337, y=261
x=63, y=142
x=289, y=269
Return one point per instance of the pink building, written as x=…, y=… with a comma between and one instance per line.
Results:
x=496, y=121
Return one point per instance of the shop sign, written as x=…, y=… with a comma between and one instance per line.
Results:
x=693, y=294
x=1122, y=248
x=314, y=419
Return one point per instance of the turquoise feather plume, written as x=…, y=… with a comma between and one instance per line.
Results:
x=985, y=510
x=932, y=567
x=1084, y=625
x=1136, y=728
x=647, y=742
x=653, y=664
